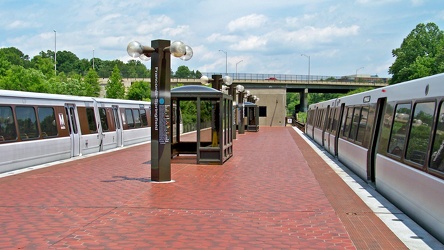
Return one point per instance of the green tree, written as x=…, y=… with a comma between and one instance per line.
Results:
x=67, y=62
x=91, y=82
x=419, y=50
x=293, y=99
x=139, y=90
x=183, y=72
x=115, y=88
x=15, y=57
x=4, y=65
x=21, y=79
x=44, y=64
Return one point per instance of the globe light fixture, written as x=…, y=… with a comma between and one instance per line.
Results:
x=177, y=49
x=227, y=80
x=204, y=80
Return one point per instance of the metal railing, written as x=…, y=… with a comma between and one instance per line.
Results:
x=298, y=78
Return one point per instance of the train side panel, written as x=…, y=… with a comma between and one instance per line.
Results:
x=415, y=192
x=354, y=157
x=30, y=153
x=37, y=128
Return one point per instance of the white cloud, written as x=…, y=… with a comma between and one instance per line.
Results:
x=177, y=31
x=19, y=24
x=300, y=21
x=417, y=2
x=250, y=43
x=377, y=2
x=247, y=22
x=217, y=37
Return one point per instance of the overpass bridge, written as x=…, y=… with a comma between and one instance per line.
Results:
x=292, y=83
x=272, y=89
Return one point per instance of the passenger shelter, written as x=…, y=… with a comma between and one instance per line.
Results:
x=213, y=143
x=252, y=116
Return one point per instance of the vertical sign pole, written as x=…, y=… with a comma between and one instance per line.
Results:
x=160, y=112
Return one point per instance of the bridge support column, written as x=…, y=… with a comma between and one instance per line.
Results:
x=303, y=96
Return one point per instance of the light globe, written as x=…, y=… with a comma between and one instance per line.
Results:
x=134, y=49
x=177, y=49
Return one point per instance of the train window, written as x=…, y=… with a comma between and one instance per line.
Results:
x=420, y=131
x=348, y=119
x=136, y=114
x=129, y=118
x=116, y=116
x=335, y=120
x=72, y=119
x=399, y=129
x=143, y=118
x=312, y=117
x=8, y=130
x=91, y=120
x=362, y=124
x=355, y=122
x=321, y=118
x=437, y=159
x=332, y=119
x=103, y=119
x=47, y=122
x=27, y=122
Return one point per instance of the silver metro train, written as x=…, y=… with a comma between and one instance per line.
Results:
x=37, y=128
x=393, y=137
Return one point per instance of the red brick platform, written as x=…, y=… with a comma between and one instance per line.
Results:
x=274, y=193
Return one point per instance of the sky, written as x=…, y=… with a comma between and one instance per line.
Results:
x=329, y=37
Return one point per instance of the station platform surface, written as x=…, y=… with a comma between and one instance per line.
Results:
x=275, y=192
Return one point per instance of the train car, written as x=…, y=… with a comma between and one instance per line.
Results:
x=393, y=137
x=37, y=128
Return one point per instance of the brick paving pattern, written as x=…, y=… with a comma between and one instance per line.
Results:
x=274, y=193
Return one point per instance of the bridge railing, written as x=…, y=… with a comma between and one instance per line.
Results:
x=280, y=78
x=298, y=78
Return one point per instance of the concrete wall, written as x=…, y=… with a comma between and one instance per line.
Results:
x=275, y=100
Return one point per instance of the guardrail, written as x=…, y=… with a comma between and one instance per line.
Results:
x=299, y=78
x=277, y=79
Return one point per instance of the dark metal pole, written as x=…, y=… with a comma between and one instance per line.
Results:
x=216, y=84
x=241, y=127
x=232, y=92
x=161, y=111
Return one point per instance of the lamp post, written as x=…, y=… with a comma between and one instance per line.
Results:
x=161, y=111
x=236, y=68
x=226, y=61
x=55, y=52
x=356, y=75
x=308, y=81
x=241, y=91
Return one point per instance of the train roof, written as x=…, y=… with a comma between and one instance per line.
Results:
x=57, y=97
x=431, y=86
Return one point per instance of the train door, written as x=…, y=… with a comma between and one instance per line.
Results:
x=73, y=129
x=118, y=125
x=325, y=131
x=338, y=119
x=373, y=147
x=100, y=129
